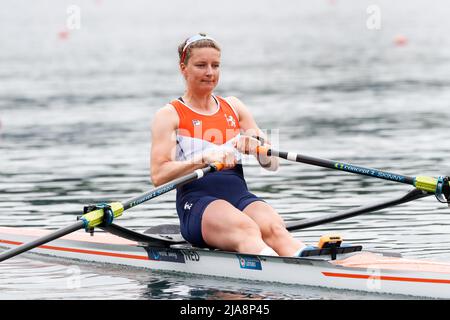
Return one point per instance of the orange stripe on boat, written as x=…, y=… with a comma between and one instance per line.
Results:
x=10, y=242
x=94, y=252
x=387, y=278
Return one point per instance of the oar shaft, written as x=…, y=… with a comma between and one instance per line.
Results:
x=312, y=222
x=36, y=243
x=336, y=165
x=197, y=174
x=95, y=218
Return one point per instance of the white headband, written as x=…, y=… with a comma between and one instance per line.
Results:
x=196, y=38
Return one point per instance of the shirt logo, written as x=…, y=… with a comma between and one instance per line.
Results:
x=188, y=206
x=196, y=122
x=230, y=121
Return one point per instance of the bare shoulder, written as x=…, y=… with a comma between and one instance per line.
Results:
x=240, y=108
x=166, y=116
x=167, y=111
x=235, y=102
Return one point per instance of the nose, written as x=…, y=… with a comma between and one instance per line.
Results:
x=209, y=70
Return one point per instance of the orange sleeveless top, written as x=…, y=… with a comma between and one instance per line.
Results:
x=198, y=132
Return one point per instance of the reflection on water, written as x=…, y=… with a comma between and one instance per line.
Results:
x=75, y=117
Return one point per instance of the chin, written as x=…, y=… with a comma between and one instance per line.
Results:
x=208, y=86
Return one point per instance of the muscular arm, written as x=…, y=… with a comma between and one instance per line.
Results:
x=163, y=166
x=249, y=127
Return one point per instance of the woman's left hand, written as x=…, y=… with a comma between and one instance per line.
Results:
x=247, y=144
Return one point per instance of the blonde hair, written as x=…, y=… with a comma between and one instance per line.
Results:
x=185, y=52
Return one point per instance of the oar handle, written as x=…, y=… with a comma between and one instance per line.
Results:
x=218, y=166
x=263, y=150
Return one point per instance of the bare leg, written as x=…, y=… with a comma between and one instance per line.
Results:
x=273, y=229
x=226, y=228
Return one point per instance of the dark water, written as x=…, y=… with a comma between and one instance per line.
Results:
x=75, y=117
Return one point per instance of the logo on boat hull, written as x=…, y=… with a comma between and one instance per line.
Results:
x=249, y=262
x=165, y=255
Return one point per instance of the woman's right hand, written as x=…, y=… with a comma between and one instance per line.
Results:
x=225, y=156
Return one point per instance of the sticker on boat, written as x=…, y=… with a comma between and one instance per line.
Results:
x=165, y=255
x=249, y=262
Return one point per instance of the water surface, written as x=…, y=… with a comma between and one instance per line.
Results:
x=75, y=120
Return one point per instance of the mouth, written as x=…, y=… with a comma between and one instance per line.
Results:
x=208, y=81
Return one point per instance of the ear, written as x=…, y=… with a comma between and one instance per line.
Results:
x=183, y=68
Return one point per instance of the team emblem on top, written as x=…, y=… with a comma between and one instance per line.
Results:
x=188, y=206
x=196, y=122
x=230, y=121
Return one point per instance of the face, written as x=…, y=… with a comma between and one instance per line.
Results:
x=202, y=70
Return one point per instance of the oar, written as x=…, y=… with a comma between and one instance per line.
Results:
x=113, y=210
x=312, y=222
x=438, y=186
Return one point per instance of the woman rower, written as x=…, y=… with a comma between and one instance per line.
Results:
x=198, y=129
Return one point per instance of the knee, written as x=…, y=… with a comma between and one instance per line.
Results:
x=249, y=229
x=248, y=236
x=274, y=231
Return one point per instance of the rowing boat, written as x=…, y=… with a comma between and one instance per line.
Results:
x=352, y=268
x=331, y=265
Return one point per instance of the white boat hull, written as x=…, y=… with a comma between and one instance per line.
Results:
x=364, y=271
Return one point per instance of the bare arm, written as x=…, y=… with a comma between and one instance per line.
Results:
x=249, y=127
x=163, y=167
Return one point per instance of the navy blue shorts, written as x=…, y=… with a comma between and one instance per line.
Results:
x=190, y=210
